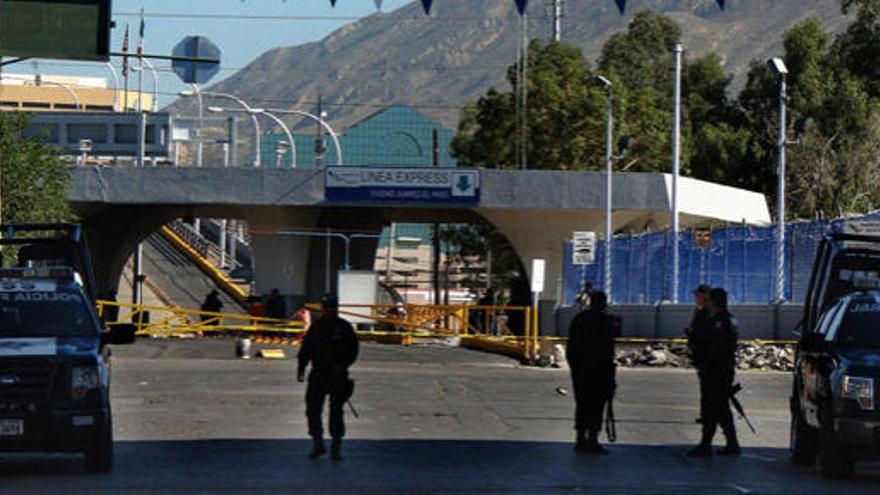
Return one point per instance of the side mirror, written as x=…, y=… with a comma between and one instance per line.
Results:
x=119, y=334
x=813, y=342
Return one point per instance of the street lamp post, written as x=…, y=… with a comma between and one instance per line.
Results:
x=778, y=66
x=247, y=108
x=609, y=166
x=39, y=82
x=676, y=156
x=323, y=123
x=271, y=115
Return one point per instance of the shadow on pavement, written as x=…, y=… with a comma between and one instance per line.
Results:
x=416, y=466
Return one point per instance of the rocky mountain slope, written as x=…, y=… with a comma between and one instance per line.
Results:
x=438, y=62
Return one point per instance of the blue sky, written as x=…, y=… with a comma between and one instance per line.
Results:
x=241, y=40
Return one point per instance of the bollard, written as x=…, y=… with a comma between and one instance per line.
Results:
x=243, y=348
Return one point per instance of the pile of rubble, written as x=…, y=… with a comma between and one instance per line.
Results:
x=748, y=357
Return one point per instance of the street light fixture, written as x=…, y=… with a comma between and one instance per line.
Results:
x=280, y=150
x=777, y=65
x=271, y=115
x=322, y=122
x=609, y=162
x=246, y=107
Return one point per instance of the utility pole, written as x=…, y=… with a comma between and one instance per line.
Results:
x=320, y=149
x=524, y=92
x=556, y=13
x=435, y=137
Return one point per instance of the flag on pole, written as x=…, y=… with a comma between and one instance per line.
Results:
x=521, y=6
x=125, y=51
x=140, y=49
x=621, y=4
x=427, y=5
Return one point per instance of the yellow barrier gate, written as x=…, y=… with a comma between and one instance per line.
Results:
x=160, y=320
x=490, y=328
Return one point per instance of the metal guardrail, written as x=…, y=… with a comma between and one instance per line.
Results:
x=219, y=276
x=481, y=326
x=170, y=320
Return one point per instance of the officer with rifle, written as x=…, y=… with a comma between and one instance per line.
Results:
x=331, y=346
x=713, y=348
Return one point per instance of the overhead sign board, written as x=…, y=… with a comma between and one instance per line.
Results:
x=192, y=72
x=583, y=248
x=402, y=185
x=68, y=29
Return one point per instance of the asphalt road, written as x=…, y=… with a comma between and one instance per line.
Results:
x=189, y=418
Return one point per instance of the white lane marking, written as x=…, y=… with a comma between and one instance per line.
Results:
x=760, y=457
x=741, y=489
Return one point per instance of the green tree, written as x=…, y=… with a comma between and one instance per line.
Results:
x=34, y=181
x=832, y=170
x=565, y=116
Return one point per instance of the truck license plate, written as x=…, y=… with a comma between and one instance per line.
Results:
x=11, y=427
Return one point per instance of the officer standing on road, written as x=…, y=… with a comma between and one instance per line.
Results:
x=331, y=346
x=590, y=355
x=714, y=355
x=700, y=319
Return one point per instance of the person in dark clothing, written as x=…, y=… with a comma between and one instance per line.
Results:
x=331, y=347
x=700, y=319
x=212, y=304
x=696, y=332
x=714, y=355
x=590, y=355
x=275, y=306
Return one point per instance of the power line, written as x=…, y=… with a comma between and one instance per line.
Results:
x=238, y=17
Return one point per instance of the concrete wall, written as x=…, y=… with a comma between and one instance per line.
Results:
x=665, y=321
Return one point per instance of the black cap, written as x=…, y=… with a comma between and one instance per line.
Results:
x=329, y=301
x=703, y=289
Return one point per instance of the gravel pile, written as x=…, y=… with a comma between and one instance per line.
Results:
x=748, y=357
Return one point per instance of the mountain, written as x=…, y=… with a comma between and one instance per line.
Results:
x=436, y=63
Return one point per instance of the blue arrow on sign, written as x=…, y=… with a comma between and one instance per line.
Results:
x=196, y=72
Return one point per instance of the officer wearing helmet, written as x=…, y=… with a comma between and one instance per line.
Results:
x=331, y=347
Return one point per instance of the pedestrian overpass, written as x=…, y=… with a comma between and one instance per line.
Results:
x=536, y=210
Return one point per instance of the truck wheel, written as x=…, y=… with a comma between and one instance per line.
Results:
x=803, y=441
x=99, y=456
x=834, y=461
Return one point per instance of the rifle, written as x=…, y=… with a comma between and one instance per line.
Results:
x=353, y=410
x=739, y=407
x=610, y=422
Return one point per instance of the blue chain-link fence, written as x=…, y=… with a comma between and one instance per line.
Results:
x=740, y=259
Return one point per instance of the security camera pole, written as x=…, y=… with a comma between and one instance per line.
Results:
x=778, y=66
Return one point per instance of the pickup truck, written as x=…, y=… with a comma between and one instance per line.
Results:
x=54, y=355
x=835, y=421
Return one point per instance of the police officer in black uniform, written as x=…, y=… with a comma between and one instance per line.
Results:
x=714, y=355
x=700, y=319
x=590, y=355
x=331, y=346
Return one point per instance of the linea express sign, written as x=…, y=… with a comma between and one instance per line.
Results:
x=402, y=185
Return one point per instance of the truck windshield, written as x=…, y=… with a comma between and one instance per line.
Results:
x=55, y=313
x=860, y=326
